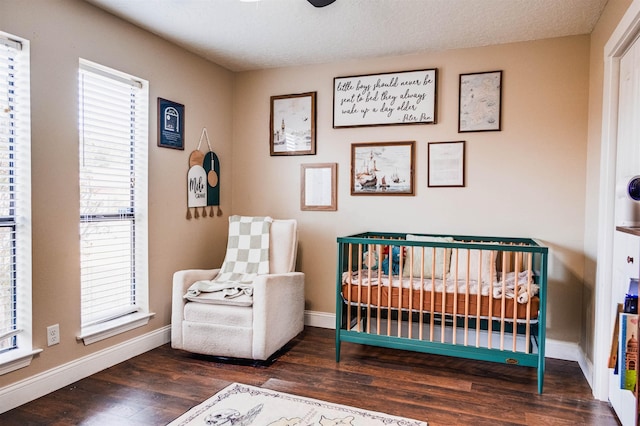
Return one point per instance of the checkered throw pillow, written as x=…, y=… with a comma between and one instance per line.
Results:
x=247, y=249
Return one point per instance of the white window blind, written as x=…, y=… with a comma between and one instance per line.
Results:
x=15, y=195
x=113, y=125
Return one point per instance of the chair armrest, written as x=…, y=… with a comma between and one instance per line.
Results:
x=278, y=311
x=182, y=280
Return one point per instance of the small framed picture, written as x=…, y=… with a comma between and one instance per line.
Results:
x=385, y=168
x=293, y=124
x=446, y=164
x=170, y=124
x=318, y=186
x=480, y=103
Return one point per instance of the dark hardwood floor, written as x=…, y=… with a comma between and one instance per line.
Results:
x=158, y=386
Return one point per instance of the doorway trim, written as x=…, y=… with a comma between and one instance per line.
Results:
x=623, y=36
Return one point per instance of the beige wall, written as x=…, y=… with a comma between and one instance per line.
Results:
x=60, y=32
x=527, y=180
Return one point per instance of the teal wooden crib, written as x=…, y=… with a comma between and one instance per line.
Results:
x=472, y=297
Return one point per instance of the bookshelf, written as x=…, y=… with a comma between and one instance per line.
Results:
x=627, y=403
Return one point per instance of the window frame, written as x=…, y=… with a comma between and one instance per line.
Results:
x=137, y=213
x=21, y=353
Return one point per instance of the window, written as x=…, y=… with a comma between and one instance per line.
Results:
x=113, y=143
x=15, y=205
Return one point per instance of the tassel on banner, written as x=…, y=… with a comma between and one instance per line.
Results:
x=204, y=212
x=196, y=214
x=188, y=213
x=219, y=211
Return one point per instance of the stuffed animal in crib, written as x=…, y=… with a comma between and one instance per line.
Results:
x=395, y=261
x=371, y=256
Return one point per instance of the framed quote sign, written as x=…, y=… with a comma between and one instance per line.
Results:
x=407, y=97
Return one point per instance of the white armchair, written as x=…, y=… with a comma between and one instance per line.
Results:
x=274, y=317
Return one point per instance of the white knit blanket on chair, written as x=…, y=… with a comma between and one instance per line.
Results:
x=247, y=256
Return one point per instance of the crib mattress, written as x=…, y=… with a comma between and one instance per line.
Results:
x=432, y=301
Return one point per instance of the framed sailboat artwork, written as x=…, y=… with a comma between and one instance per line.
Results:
x=383, y=168
x=293, y=124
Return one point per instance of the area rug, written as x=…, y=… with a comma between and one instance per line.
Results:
x=244, y=405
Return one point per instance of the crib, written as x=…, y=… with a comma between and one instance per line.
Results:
x=472, y=297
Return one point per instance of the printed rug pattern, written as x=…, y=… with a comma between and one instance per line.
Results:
x=244, y=405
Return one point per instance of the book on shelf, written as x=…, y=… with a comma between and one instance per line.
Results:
x=628, y=352
x=613, y=354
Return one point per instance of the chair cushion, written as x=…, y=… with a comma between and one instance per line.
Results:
x=237, y=316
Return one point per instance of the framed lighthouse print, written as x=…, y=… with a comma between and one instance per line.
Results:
x=293, y=124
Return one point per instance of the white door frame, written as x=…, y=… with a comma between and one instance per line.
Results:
x=624, y=35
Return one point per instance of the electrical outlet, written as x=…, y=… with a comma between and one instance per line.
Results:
x=53, y=335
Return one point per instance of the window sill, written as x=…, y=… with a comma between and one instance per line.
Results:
x=98, y=332
x=16, y=359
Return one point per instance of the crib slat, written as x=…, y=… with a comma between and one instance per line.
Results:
x=369, y=292
x=349, y=282
x=515, y=299
x=389, y=301
x=466, y=301
x=445, y=268
x=379, y=306
x=492, y=278
x=399, y=311
x=410, y=290
x=433, y=292
x=528, y=315
x=359, y=288
x=503, y=296
x=421, y=324
x=454, y=255
x=478, y=299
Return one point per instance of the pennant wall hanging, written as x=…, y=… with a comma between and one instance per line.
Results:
x=203, y=181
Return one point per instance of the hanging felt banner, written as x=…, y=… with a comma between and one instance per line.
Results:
x=203, y=181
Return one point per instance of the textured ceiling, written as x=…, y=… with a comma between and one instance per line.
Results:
x=241, y=35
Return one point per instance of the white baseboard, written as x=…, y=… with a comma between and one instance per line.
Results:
x=41, y=384
x=320, y=319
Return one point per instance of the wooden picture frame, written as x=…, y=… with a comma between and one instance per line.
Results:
x=395, y=98
x=170, y=124
x=318, y=184
x=292, y=124
x=445, y=162
x=480, y=102
x=383, y=168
